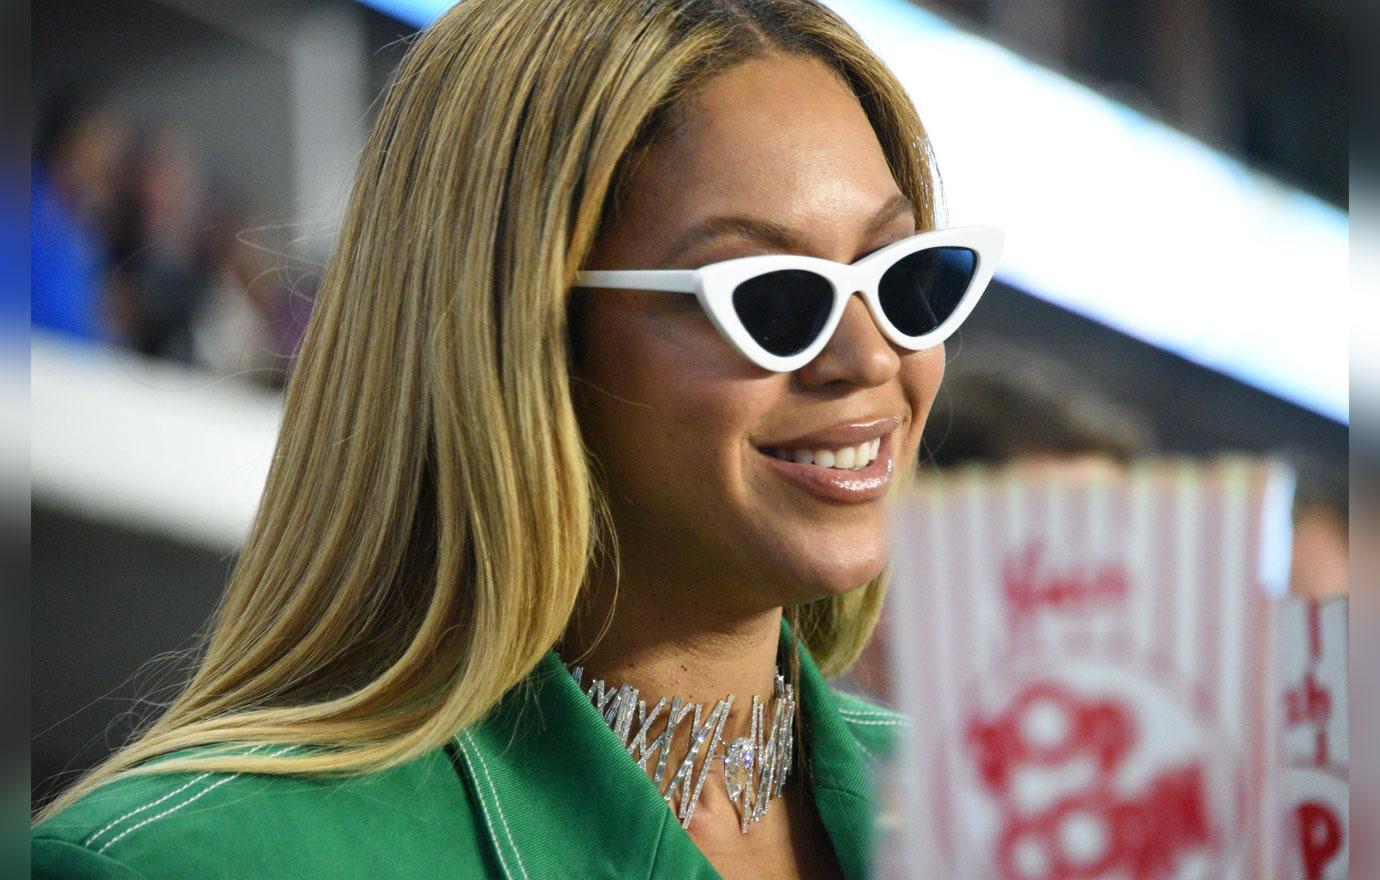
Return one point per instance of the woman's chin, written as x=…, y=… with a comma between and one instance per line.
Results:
x=837, y=577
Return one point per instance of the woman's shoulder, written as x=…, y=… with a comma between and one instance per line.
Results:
x=875, y=726
x=413, y=819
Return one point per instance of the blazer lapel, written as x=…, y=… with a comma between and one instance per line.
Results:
x=560, y=797
x=558, y=794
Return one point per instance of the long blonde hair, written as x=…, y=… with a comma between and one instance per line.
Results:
x=430, y=515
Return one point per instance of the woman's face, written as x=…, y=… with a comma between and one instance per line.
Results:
x=682, y=426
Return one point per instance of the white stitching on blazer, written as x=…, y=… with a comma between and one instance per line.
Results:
x=497, y=803
x=181, y=788
x=484, y=805
x=885, y=723
x=874, y=713
x=207, y=790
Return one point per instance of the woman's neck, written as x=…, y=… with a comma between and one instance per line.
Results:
x=668, y=640
x=665, y=647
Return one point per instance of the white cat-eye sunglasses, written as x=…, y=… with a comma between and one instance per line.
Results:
x=780, y=310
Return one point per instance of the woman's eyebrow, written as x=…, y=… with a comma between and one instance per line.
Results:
x=771, y=234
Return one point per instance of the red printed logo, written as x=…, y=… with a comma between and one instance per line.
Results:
x=1030, y=586
x=1317, y=823
x=1320, y=837
x=1075, y=794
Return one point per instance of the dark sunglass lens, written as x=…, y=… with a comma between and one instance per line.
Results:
x=784, y=311
x=922, y=290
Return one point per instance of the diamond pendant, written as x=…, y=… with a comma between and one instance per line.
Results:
x=738, y=761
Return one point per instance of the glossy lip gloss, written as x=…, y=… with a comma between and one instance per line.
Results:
x=841, y=486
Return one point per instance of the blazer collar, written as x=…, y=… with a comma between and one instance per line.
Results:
x=559, y=796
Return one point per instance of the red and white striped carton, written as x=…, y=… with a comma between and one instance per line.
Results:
x=1085, y=653
x=1312, y=691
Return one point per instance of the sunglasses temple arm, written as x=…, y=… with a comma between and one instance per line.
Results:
x=666, y=280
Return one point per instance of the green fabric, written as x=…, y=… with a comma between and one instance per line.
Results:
x=540, y=788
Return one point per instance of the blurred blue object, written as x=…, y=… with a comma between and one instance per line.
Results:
x=67, y=266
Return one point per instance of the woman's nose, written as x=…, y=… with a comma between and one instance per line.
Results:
x=857, y=353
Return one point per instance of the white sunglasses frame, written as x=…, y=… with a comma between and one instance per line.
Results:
x=713, y=286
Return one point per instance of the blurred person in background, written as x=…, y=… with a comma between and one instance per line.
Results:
x=78, y=163
x=162, y=267
x=1320, y=567
x=244, y=324
x=1042, y=412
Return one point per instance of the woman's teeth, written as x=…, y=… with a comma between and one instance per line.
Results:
x=849, y=458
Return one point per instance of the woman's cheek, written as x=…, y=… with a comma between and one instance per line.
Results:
x=921, y=374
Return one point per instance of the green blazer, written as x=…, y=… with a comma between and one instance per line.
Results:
x=541, y=788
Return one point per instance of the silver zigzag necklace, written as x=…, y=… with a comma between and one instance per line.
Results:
x=755, y=766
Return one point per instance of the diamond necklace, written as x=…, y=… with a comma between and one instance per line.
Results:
x=755, y=766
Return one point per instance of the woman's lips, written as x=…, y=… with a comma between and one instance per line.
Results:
x=836, y=484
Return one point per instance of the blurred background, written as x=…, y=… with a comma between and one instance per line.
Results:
x=1171, y=176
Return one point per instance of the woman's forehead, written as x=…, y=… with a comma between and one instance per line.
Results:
x=780, y=139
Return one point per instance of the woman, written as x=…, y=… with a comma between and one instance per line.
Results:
x=493, y=469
